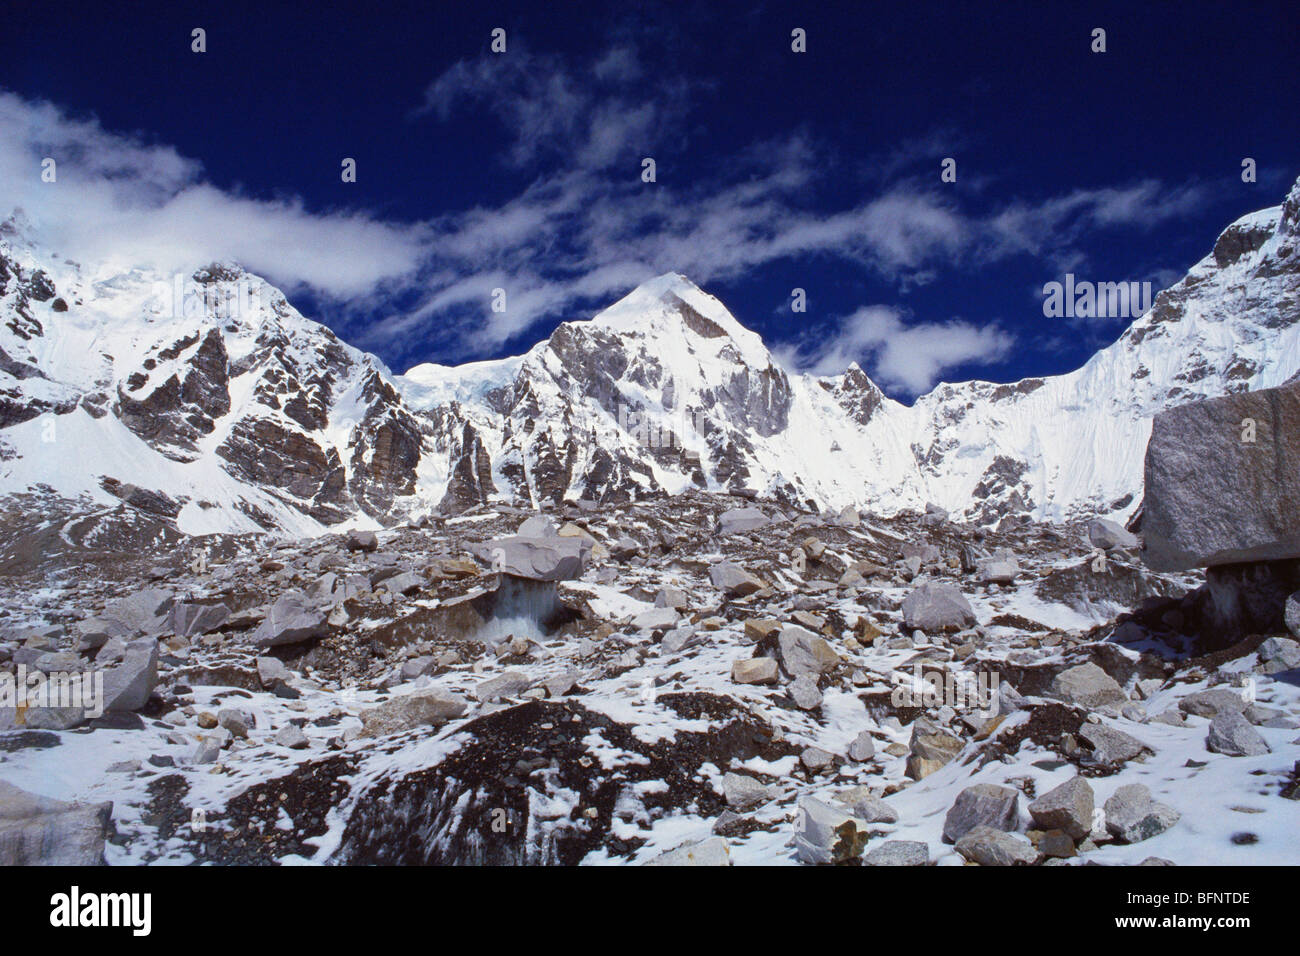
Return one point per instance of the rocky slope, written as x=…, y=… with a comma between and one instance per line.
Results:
x=126, y=419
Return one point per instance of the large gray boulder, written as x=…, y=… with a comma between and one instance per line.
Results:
x=127, y=686
x=712, y=851
x=428, y=707
x=1133, y=816
x=1086, y=685
x=937, y=606
x=733, y=580
x=145, y=611
x=188, y=620
x=42, y=831
x=1212, y=498
x=555, y=558
x=828, y=834
x=1068, y=807
x=1109, y=536
x=984, y=804
x=292, y=618
x=1230, y=733
x=803, y=652
x=989, y=846
x=742, y=519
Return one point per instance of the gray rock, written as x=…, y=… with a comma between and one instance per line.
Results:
x=1291, y=616
x=292, y=619
x=827, y=834
x=1231, y=734
x=1068, y=807
x=271, y=671
x=755, y=670
x=1279, y=654
x=1086, y=685
x=1111, y=747
x=292, y=737
x=982, y=805
x=988, y=846
x=1109, y=536
x=709, y=852
x=734, y=581
x=238, y=722
x=867, y=806
x=742, y=519
x=428, y=707
x=743, y=792
x=655, y=618
x=1133, y=816
x=538, y=526
x=803, y=652
x=1216, y=700
x=816, y=759
x=937, y=606
x=930, y=749
x=362, y=541
x=145, y=611
x=805, y=693
x=998, y=570
x=924, y=553
x=127, y=686
x=41, y=831
x=559, y=558
x=94, y=632
x=188, y=620
x=674, y=598
x=1213, y=499
x=898, y=853
x=863, y=747
x=509, y=684
x=680, y=638
x=406, y=583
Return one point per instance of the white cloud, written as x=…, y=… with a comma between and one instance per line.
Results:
x=120, y=201
x=894, y=353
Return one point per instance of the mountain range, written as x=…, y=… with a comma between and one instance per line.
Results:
x=130, y=417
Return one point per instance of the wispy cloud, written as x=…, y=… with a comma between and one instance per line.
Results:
x=896, y=351
x=120, y=200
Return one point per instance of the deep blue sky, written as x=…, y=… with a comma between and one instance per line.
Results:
x=775, y=170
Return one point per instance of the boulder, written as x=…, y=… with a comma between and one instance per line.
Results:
x=743, y=792
x=557, y=558
x=41, y=831
x=988, y=846
x=803, y=652
x=1133, y=816
x=1086, y=685
x=1212, y=498
x=755, y=670
x=145, y=611
x=898, y=853
x=127, y=685
x=1109, y=536
x=1068, y=807
x=733, y=580
x=742, y=519
x=867, y=806
x=828, y=834
x=362, y=541
x=709, y=852
x=930, y=750
x=1210, y=703
x=1111, y=747
x=428, y=707
x=863, y=747
x=1278, y=654
x=1231, y=734
x=804, y=692
x=291, y=619
x=509, y=684
x=997, y=570
x=982, y=805
x=935, y=607
x=188, y=620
